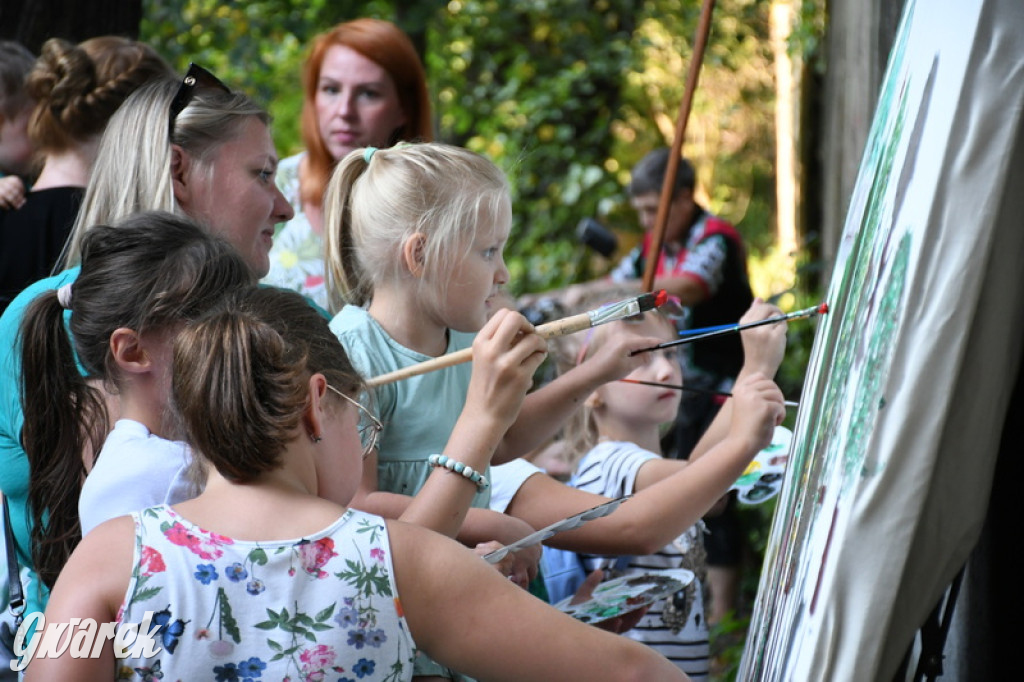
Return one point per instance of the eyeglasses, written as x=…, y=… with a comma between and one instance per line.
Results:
x=368, y=423
x=197, y=77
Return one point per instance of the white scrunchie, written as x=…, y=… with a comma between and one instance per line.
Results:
x=64, y=296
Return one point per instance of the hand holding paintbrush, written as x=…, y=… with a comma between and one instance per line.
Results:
x=763, y=332
x=574, y=323
x=711, y=332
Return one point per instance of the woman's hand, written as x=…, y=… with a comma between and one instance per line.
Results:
x=12, y=192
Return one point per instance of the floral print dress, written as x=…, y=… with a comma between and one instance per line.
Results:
x=297, y=257
x=323, y=607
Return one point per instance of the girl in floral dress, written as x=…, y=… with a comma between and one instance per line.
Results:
x=258, y=578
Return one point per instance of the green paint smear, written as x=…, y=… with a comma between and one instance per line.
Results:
x=854, y=355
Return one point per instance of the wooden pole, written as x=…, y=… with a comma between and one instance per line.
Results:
x=658, y=237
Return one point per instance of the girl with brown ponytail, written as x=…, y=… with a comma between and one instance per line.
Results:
x=139, y=283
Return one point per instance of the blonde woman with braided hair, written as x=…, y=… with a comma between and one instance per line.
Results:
x=76, y=88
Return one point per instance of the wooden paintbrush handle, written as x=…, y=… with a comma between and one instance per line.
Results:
x=567, y=325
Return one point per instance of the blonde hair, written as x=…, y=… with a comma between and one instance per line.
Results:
x=377, y=199
x=133, y=167
x=580, y=433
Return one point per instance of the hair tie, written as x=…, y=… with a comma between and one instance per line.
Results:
x=64, y=296
x=368, y=154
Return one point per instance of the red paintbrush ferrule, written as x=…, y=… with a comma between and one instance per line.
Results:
x=651, y=300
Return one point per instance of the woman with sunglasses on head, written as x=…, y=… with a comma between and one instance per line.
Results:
x=363, y=86
x=258, y=577
x=187, y=146
x=209, y=155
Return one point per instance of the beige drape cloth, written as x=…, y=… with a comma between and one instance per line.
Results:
x=910, y=376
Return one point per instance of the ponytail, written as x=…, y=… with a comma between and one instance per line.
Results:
x=151, y=272
x=241, y=380
x=64, y=418
x=345, y=280
x=378, y=198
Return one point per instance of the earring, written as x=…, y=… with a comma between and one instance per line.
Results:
x=315, y=438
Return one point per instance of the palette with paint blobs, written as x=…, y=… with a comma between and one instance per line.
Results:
x=620, y=596
x=763, y=477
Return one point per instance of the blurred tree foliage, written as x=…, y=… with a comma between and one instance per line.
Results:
x=565, y=96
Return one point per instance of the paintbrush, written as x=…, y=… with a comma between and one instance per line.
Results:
x=567, y=325
x=819, y=309
x=694, y=389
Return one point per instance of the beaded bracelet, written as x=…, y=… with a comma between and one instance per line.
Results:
x=459, y=468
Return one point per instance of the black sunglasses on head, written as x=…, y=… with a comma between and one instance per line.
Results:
x=197, y=77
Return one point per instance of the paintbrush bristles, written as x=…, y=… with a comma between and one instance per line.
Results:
x=628, y=308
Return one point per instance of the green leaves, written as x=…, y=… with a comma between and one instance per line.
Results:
x=300, y=626
x=368, y=581
x=563, y=96
x=227, y=621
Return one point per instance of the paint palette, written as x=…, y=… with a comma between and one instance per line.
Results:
x=763, y=478
x=574, y=521
x=624, y=595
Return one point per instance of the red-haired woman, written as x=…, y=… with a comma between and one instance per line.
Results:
x=364, y=86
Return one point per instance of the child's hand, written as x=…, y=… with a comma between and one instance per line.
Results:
x=506, y=566
x=612, y=360
x=12, y=192
x=519, y=567
x=757, y=409
x=506, y=354
x=764, y=346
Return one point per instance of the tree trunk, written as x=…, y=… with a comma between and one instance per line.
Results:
x=860, y=35
x=785, y=121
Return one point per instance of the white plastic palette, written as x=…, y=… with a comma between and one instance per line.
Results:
x=574, y=521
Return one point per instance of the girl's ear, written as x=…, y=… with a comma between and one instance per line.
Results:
x=413, y=253
x=180, y=166
x=128, y=352
x=313, y=420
